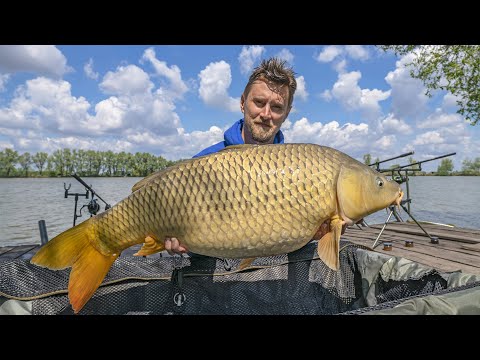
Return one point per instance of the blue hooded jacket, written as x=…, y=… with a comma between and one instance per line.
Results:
x=233, y=136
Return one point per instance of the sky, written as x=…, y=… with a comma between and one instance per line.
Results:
x=174, y=100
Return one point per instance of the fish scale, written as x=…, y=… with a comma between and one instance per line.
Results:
x=288, y=184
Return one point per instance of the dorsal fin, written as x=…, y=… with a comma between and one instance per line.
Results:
x=239, y=146
x=154, y=175
x=145, y=180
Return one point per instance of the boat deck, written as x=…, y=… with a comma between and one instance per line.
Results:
x=457, y=248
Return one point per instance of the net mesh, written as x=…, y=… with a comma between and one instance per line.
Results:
x=296, y=284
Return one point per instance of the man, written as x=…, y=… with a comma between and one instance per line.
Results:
x=265, y=103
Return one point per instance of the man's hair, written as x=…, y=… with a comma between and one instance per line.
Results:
x=274, y=70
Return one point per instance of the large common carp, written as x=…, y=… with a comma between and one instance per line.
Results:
x=243, y=202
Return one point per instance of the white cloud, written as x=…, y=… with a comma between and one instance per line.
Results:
x=439, y=119
x=286, y=55
x=449, y=101
x=337, y=52
x=3, y=81
x=172, y=73
x=408, y=97
x=385, y=142
x=88, y=69
x=215, y=80
x=6, y=144
x=248, y=56
x=301, y=91
x=178, y=145
x=326, y=95
x=445, y=140
x=329, y=53
x=38, y=59
x=173, y=147
x=126, y=80
x=349, y=138
x=428, y=138
x=45, y=103
x=357, y=52
x=341, y=66
x=347, y=91
x=392, y=125
x=50, y=144
x=110, y=115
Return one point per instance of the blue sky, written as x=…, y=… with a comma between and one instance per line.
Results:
x=176, y=100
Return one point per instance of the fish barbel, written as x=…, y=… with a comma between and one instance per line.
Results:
x=245, y=201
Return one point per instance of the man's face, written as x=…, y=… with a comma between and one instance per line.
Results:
x=265, y=108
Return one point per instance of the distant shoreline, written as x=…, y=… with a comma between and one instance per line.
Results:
x=120, y=176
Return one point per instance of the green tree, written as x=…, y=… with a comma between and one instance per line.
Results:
x=110, y=162
x=471, y=167
x=445, y=167
x=67, y=161
x=58, y=162
x=8, y=160
x=367, y=159
x=454, y=68
x=97, y=163
x=81, y=161
x=39, y=159
x=411, y=160
x=122, y=163
x=25, y=160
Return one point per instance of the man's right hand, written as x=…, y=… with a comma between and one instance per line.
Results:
x=173, y=246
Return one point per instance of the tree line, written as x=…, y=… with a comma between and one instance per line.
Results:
x=107, y=163
x=64, y=162
x=469, y=167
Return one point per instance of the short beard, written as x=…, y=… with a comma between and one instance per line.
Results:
x=261, y=136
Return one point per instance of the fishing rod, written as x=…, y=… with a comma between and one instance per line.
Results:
x=93, y=206
x=377, y=163
x=420, y=162
x=408, y=167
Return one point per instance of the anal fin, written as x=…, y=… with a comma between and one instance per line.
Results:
x=150, y=246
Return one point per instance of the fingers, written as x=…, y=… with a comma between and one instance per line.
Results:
x=173, y=246
x=322, y=230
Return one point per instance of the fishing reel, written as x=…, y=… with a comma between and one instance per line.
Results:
x=93, y=207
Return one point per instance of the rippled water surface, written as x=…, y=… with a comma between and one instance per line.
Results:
x=23, y=202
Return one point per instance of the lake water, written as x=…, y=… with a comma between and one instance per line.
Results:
x=23, y=202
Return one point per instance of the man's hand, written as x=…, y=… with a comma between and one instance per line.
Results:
x=173, y=246
x=324, y=229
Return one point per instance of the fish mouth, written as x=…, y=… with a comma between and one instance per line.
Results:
x=398, y=200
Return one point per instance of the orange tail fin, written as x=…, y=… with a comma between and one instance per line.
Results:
x=89, y=266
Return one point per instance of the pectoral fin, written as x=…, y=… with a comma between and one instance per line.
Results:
x=150, y=246
x=329, y=244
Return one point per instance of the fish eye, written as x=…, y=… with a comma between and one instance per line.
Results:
x=379, y=182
